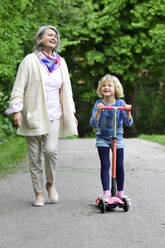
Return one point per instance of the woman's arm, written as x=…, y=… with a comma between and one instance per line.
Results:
x=17, y=94
x=61, y=98
x=68, y=86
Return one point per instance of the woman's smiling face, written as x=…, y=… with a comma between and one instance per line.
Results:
x=49, y=40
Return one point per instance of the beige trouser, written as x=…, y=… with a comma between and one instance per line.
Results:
x=42, y=152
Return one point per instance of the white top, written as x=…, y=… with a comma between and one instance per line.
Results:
x=28, y=89
x=52, y=85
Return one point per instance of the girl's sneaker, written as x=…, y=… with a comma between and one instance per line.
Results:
x=121, y=195
x=105, y=197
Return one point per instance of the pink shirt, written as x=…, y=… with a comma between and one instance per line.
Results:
x=52, y=85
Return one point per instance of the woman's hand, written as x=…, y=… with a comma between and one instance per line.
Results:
x=76, y=121
x=17, y=119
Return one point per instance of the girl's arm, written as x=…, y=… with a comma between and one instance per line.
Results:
x=128, y=120
x=95, y=114
x=128, y=113
x=98, y=112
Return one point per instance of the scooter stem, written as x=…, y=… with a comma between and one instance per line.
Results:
x=114, y=145
x=113, y=186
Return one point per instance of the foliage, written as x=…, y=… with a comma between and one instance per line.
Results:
x=6, y=128
x=125, y=38
x=122, y=37
x=11, y=155
x=150, y=111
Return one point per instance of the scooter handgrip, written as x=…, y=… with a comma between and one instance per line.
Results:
x=118, y=108
x=107, y=107
x=124, y=108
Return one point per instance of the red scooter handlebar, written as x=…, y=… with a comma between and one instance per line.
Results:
x=118, y=108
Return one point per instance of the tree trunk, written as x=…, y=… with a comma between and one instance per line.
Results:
x=130, y=98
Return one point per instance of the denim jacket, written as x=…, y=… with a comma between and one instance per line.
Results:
x=104, y=125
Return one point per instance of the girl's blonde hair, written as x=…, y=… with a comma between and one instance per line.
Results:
x=110, y=78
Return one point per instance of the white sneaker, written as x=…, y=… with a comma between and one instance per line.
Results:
x=39, y=201
x=53, y=196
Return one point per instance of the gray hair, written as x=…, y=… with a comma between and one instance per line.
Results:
x=40, y=33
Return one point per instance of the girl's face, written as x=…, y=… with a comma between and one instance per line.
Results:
x=108, y=89
x=49, y=39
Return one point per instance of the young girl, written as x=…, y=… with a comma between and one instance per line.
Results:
x=110, y=90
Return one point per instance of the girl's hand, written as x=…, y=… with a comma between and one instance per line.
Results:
x=97, y=115
x=17, y=119
x=128, y=112
x=127, y=106
x=99, y=106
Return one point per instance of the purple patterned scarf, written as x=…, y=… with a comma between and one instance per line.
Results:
x=52, y=62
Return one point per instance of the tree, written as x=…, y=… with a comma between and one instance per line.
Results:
x=122, y=37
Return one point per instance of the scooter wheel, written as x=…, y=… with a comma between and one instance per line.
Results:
x=126, y=204
x=102, y=206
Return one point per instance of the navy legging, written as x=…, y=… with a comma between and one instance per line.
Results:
x=105, y=166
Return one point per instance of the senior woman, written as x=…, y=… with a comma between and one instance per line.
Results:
x=43, y=107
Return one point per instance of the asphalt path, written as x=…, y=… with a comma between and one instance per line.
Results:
x=75, y=221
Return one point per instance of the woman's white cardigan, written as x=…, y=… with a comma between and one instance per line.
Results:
x=29, y=89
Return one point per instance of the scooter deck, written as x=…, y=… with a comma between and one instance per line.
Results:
x=112, y=203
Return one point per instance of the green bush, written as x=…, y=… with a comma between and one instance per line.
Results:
x=12, y=153
x=150, y=116
x=6, y=128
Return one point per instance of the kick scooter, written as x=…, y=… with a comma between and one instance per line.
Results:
x=114, y=201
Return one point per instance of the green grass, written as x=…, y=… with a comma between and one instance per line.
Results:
x=154, y=138
x=12, y=153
